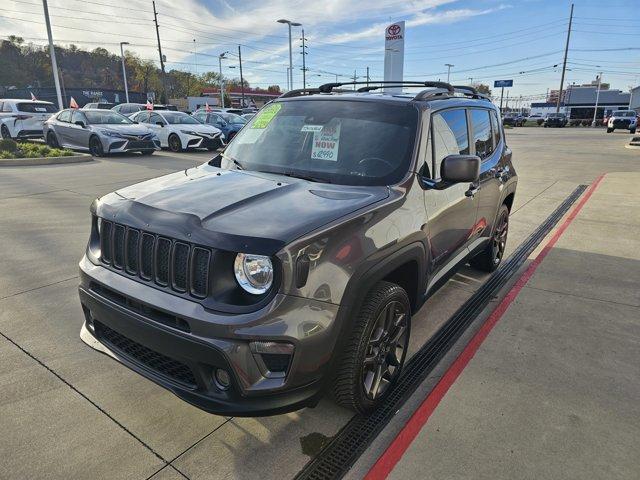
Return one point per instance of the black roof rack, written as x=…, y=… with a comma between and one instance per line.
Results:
x=472, y=91
x=328, y=87
x=299, y=92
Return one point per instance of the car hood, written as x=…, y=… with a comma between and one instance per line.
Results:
x=236, y=210
x=129, y=129
x=195, y=127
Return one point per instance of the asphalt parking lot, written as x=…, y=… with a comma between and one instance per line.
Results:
x=67, y=411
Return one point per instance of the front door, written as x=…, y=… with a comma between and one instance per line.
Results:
x=78, y=135
x=451, y=211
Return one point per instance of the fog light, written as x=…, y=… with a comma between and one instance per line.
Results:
x=222, y=378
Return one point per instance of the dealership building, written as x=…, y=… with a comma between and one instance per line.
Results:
x=579, y=102
x=82, y=96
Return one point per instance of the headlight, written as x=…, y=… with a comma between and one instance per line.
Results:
x=110, y=133
x=254, y=273
x=189, y=132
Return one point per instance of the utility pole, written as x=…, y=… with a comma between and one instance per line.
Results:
x=164, y=79
x=501, y=95
x=354, y=79
x=471, y=81
x=241, y=78
x=595, y=110
x=52, y=52
x=564, y=64
x=195, y=55
x=220, y=57
x=304, y=64
x=448, y=65
x=368, y=78
x=124, y=71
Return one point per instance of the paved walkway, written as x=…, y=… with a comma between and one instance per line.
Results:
x=549, y=388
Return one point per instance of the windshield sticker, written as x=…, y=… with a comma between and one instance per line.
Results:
x=311, y=128
x=326, y=143
x=265, y=116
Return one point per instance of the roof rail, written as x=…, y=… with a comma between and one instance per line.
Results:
x=299, y=92
x=328, y=87
x=392, y=85
x=470, y=91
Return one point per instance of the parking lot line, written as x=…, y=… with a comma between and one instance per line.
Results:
x=394, y=452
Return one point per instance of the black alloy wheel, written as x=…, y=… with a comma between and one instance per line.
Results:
x=4, y=131
x=175, y=145
x=386, y=349
x=95, y=147
x=499, y=240
x=52, y=141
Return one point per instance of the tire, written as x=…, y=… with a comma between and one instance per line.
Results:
x=95, y=147
x=609, y=130
x=370, y=364
x=490, y=258
x=52, y=141
x=147, y=152
x=175, y=145
x=4, y=132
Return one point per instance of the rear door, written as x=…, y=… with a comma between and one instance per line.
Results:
x=451, y=213
x=158, y=125
x=62, y=128
x=488, y=143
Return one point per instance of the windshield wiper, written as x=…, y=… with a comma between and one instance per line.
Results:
x=234, y=161
x=310, y=178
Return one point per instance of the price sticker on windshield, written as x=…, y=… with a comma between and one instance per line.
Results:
x=326, y=143
x=263, y=119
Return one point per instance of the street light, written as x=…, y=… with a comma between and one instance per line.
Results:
x=291, y=24
x=124, y=71
x=595, y=110
x=448, y=65
x=220, y=57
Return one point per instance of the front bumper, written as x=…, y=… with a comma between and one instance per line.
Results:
x=30, y=134
x=117, y=145
x=204, y=141
x=185, y=362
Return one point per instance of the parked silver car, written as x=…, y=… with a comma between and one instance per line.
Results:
x=99, y=131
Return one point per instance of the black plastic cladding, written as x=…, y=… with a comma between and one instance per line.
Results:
x=343, y=451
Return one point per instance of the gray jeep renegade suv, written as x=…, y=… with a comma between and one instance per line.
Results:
x=290, y=265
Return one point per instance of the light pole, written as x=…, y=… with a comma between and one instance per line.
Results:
x=448, y=65
x=220, y=57
x=52, y=52
x=124, y=71
x=195, y=55
x=595, y=110
x=291, y=24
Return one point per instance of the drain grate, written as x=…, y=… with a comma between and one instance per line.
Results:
x=341, y=453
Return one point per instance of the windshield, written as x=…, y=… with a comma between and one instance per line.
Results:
x=179, y=118
x=333, y=141
x=233, y=118
x=37, y=107
x=106, y=117
x=624, y=114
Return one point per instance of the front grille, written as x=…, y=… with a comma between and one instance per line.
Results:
x=140, y=144
x=159, y=363
x=166, y=262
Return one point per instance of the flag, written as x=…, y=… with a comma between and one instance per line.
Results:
x=73, y=103
x=149, y=105
x=33, y=97
x=207, y=108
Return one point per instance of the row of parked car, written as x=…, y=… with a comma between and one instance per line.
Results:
x=106, y=128
x=619, y=119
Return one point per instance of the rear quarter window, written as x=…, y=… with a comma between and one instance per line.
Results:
x=482, y=138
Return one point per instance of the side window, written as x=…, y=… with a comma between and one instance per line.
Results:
x=6, y=107
x=495, y=128
x=65, y=116
x=482, y=132
x=450, y=136
x=154, y=118
x=78, y=116
x=143, y=117
x=201, y=117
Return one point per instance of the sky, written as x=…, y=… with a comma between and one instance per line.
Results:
x=485, y=40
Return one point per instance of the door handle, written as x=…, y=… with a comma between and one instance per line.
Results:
x=473, y=189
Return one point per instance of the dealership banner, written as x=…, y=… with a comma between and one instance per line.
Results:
x=394, y=54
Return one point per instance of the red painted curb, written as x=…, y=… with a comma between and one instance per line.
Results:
x=392, y=455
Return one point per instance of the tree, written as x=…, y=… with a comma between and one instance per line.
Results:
x=482, y=88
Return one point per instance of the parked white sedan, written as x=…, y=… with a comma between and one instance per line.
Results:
x=20, y=118
x=179, y=131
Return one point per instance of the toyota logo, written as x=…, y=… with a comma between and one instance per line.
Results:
x=393, y=30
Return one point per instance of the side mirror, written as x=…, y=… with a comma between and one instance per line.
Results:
x=80, y=123
x=135, y=121
x=160, y=123
x=460, y=168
